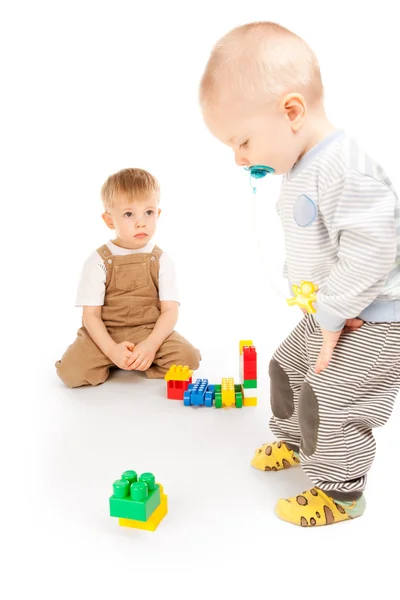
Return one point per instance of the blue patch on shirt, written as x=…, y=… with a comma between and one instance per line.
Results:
x=305, y=211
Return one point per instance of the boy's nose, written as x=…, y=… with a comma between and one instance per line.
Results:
x=240, y=161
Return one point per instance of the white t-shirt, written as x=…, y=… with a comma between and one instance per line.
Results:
x=92, y=283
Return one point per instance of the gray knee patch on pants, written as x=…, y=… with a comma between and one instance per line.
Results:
x=281, y=393
x=308, y=419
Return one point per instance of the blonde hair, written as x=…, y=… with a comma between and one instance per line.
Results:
x=262, y=60
x=136, y=183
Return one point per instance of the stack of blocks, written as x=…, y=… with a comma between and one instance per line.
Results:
x=178, y=379
x=248, y=372
x=139, y=503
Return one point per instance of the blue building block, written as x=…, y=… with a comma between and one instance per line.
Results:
x=187, y=395
x=199, y=393
x=210, y=395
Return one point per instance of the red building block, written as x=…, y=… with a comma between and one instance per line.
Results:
x=176, y=389
x=249, y=362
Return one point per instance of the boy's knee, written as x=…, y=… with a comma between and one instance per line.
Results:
x=190, y=356
x=73, y=376
x=282, y=401
x=308, y=419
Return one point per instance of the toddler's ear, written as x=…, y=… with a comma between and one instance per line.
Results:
x=158, y=212
x=295, y=107
x=108, y=220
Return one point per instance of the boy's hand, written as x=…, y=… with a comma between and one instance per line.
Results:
x=329, y=341
x=142, y=356
x=121, y=354
x=353, y=325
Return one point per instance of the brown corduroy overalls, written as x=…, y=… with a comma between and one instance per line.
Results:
x=131, y=309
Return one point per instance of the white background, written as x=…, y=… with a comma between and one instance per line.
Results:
x=89, y=88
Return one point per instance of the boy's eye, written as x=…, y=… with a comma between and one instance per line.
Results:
x=128, y=214
x=149, y=212
x=244, y=144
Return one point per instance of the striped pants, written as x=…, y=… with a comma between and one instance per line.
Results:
x=329, y=417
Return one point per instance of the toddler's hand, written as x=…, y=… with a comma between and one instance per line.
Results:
x=121, y=353
x=142, y=356
x=329, y=341
x=353, y=325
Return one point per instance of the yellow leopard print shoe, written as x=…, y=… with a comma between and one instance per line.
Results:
x=314, y=507
x=274, y=457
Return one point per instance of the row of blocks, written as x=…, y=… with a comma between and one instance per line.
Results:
x=138, y=502
x=201, y=393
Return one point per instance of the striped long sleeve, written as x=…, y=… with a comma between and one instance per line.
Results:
x=359, y=214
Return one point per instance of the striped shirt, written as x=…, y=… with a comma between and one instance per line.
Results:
x=341, y=223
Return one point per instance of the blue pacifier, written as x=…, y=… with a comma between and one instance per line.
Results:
x=258, y=172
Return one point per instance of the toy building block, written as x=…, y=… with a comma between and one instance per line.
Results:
x=250, y=383
x=178, y=379
x=249, y=401
x=228, y=391
x=228, y=388
x=195, y=394
x=248, y=372
x=210, y=396
x=176, y=389
x=243, y=343
x=199, y=393
x=155, y=518
x=178, y=373
x=218, y=396
x=249, y=363
x=135, y=498
x=248, y=360
x=238, y=399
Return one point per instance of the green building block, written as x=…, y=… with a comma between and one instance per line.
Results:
x=249, y=383
x=239, y=399
x=218, y=399
x=134, y=498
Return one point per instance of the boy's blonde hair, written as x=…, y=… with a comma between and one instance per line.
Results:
x=136, y=183
x=263, y=61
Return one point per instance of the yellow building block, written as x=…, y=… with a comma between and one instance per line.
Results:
x=178, y=373
x=154, y=520
x=249, y=401
x=244, y=343
x=228, y=391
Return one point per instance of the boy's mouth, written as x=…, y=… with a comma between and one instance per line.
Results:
x=140, y=235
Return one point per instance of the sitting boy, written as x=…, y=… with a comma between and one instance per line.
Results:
x=128, y=292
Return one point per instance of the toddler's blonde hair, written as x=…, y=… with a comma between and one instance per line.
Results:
x=138, y=184
x=261, y=61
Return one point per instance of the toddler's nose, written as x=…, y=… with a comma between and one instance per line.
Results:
x=240, y=161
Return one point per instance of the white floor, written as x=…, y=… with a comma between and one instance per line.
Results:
x=220, y=535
